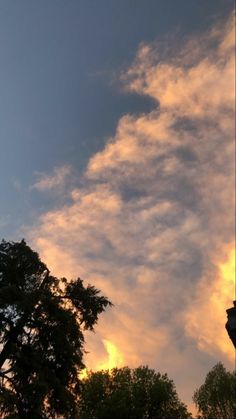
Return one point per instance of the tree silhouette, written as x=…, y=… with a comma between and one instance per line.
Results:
x=216, y=398
x=124, y=393
x=42, y=320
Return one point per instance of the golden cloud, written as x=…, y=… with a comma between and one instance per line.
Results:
x=206, y=319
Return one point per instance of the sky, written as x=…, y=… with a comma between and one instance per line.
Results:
x=117, y=165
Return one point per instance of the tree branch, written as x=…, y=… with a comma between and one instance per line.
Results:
x=15, y=332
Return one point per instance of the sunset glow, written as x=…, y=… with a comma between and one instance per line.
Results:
x=227, y=270
x=213, y=298
x=114, y=357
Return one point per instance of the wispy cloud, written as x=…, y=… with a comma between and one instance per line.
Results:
x=153, y=223
x=57, y=179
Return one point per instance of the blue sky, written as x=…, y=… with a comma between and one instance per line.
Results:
x=117, y=165
x=60, y=67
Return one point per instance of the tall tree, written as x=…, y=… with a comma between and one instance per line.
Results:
x=124, y=393
x=216, y=398
x=42, y=320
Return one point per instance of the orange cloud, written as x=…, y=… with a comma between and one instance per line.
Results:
x=55, y=180
x=197, y=82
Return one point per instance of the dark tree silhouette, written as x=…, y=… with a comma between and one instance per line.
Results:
x=42, y=320
x=124, y=393
x=216, y=398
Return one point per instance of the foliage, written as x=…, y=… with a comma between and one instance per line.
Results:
x=124, y=393
x=216, y=398
x=42, y=320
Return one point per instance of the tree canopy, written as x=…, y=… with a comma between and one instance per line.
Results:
x=42, y=319
x=126, y=393
x=216, y=398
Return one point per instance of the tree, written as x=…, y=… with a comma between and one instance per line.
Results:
x=42, y=320
x=216, y=398
x=124, y=393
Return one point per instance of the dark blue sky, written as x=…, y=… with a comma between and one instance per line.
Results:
x=59, y=70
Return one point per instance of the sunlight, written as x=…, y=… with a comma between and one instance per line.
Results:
x=114, y=357
x=227, y=268
x=83, y=374
x=223, y=295
x=214, y=297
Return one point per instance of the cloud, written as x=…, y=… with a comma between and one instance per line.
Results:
x=186, y=82
x=212, y=296
x=153, y=223
x=55, y=180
